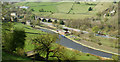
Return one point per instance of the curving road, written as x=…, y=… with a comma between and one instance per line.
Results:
x=70, y=44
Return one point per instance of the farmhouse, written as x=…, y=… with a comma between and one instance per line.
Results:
x=28, y=22
x=13, y=14
x=24, y=7
x=113, y=11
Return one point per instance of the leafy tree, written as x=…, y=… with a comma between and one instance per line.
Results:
x=95, y=29
x=32, y=10
x=33, y=16
x=34, y=22
x=18, y=38
x=44, y=42
x=114, y=1
x=55, y=21
x=115, y=58
x=41, y=10
x=90, y=9
x=107, y=14
x=12, y=38
x=77, y=2
x=62, y=54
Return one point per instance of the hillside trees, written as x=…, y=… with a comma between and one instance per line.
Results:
x=6, y=11
x=95, y=29
x=13, y=38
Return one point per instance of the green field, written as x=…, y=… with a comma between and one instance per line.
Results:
x=60, y=9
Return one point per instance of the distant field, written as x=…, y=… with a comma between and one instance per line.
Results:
x=60, y=9
x=81, y=8
x=102, y=6
x=70, y=16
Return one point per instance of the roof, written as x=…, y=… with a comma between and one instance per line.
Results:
x=112, y=11
x=24, y=7
x=13, y=14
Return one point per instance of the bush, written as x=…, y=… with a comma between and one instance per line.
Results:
x=87, y=54
x=55, y=21
x=90, y=9
x=99, y=43
x=20, y=51
x=32, y=10
x=107, y=14
x=41, y=10
x=95, y=29
x=61, y=22
x=77, y=2
x=114, y=2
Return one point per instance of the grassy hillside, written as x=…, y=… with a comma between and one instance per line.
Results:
x=30, y=33
x=60, y=9
x=102, y=6
x=6, y=56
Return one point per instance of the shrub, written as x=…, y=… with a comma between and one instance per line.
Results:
x=77, y=2
x=114, y=2
x=32, y=10
x=55, y=21
x=95, y=29
x=107, y=14
x=90, y=9
x=87, y=54
x=99, y=43
x=61, y=22
x=20, y=51
x=41, y=10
